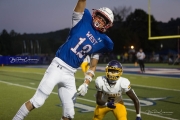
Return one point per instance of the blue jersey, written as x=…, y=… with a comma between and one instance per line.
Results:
x=83, y=40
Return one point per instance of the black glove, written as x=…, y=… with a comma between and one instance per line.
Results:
x=110, y=105
x=138, y=118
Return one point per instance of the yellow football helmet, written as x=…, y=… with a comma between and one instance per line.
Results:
x=114, y=70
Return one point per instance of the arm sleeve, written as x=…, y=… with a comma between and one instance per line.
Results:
x=87, y=59
x=95, y=55
x=76, y=17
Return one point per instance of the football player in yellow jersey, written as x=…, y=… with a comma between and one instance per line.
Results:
x=85, y=64
x=109, y=93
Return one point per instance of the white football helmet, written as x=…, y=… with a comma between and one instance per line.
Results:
x=107, y=14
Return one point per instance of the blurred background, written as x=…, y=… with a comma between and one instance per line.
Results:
x=33, y=30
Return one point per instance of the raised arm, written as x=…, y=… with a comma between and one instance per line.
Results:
x=80, y=6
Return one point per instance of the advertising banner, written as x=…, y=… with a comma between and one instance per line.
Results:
x=14, y=60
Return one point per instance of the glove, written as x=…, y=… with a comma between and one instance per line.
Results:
x=82, y=90
x=138, y=118
x=110, y=105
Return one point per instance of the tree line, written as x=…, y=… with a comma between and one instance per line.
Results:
x=130, y=28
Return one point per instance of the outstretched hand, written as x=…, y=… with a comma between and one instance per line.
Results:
x=82, y=90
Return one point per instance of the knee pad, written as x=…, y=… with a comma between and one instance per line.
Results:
x=38, y=99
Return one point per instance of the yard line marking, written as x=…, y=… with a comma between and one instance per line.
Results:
x=155, y=87
x=148, y=87
x=142, y=75
x=151, y=75
x=22, y=72
x=9, y=83
x=131, y=84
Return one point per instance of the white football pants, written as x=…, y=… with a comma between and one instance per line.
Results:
x=61, y=74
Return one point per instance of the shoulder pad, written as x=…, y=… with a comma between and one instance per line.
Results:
x=125, y=83
x=99, y=83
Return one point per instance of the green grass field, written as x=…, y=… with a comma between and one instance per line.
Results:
x=159, y=96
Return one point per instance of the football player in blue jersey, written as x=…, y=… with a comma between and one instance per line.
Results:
x=87, y=37
x=109, y=93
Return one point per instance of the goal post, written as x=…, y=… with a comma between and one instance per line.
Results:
x=149, y=28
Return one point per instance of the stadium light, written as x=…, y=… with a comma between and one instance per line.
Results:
x=132, y=47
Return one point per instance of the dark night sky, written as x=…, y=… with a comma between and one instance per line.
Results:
x=39, y=16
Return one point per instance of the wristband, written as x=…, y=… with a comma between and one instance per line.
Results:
x=90, y=71
x=138, y=115
x=88, y=77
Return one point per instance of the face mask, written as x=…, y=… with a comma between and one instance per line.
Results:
x=96, y=24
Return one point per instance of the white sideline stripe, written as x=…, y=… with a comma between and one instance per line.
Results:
x=149, y=87
x=142, y=75
x=131, y=84
x=155, y=87
x=22, y=72
x=9, y=83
